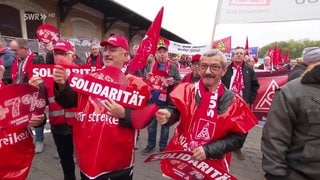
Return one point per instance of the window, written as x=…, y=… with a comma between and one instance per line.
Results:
x=32, y=26
x=83, y=28
x=10, y=25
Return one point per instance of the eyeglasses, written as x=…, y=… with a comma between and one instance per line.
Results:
x=213, y=67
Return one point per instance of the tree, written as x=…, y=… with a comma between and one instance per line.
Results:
x=295, y=47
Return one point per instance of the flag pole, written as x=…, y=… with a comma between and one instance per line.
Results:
x=218, y=12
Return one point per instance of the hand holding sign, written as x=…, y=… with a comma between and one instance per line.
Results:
x=35, y=81
x=60, y=75
x=36, y=120
x=114, y=109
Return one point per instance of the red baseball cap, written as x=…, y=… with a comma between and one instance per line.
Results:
x=63, y=46
x=117, y=41
x=195, y=58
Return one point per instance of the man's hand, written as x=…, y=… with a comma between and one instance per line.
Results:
x=35, y=81
x=60, y=76
x=162, y=116
x=199, y=154
x=114, y=109
x=36, y=120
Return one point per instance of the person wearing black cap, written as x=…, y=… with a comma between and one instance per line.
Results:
x=160, y=97
x=291, y=135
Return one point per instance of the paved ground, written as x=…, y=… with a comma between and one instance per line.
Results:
x=46, y=167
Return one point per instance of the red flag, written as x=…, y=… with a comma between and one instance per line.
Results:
x=140, y=122
x=276, y=56
x=223, y=45
x=246, y=47
x=148, y=44
x=286, y=57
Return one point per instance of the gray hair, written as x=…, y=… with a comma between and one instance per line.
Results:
x=22, y=43
x=216, y=52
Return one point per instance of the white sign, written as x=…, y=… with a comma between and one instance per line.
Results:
x=257, y=11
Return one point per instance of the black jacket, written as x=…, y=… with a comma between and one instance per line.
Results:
x=251, y=84
x=296, y=71
x=291, y=135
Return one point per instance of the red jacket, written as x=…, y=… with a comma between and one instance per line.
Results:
x=235, y=117
x=102, y=143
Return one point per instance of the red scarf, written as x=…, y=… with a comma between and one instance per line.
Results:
x=237, y=84
x=125, y=67
x=156, y=64
x=202, y=128
x=25, y=65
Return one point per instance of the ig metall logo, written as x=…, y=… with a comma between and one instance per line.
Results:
x=37, y=16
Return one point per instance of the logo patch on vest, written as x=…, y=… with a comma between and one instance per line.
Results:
x=205, y=130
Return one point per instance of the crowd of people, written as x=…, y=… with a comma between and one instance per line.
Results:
x=212, y=104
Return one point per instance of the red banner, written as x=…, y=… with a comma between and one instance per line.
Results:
x=157, y=80
x=187, y=168
x=148, y=44
x=17, y=104
x=269, y=82
x=117, y=90
x=223, y=45
x=45, y=71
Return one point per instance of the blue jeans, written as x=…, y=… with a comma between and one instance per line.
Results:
x=152, y=135
x=39, y=134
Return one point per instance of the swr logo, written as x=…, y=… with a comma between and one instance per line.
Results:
x=37, y=17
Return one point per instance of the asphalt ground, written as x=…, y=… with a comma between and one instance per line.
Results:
x=46, y=166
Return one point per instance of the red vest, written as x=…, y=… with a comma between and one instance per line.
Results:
x=102, y=145
x=57, y=114
x=237, y=118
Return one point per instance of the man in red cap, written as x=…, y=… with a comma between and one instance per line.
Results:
x=193, y=76
x=59, y=118
x=105, y=147
x=65, y=50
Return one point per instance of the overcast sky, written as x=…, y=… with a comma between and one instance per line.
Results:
x=194, y=21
